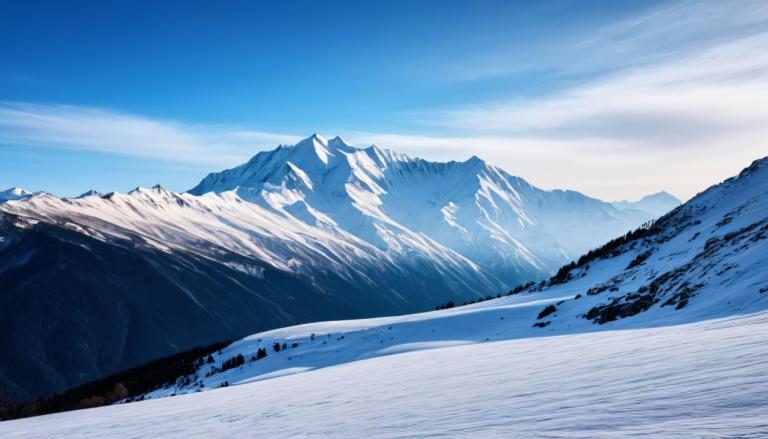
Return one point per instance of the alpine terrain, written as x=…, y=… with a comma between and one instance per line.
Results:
x=661, y=332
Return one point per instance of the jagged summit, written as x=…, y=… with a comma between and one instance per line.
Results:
x=14, y=193
x=470, y=206
x=90, y=193
x=338, y=140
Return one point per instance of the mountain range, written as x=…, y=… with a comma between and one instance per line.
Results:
x=317, y=230
x=661, y=330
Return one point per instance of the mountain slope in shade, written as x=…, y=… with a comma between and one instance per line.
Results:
x=509, y=228
x=74, y=308
x=656, y=204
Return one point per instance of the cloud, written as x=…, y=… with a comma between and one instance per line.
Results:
x=97, y=129
x=692, y=115
x=663, y=32
x=724, y=86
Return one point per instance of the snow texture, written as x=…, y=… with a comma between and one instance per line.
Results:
x=706, y=379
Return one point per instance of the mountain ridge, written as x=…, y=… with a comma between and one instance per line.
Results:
x=468, y=206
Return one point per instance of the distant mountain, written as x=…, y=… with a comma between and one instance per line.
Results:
x=313, y=231
x=655, y=204
x=509, y=228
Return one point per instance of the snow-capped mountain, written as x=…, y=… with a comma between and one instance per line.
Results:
x=660, y=332
x=14, y=193
x=656, y=204
x=396, y=203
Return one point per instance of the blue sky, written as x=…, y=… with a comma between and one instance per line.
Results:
x=610, y=98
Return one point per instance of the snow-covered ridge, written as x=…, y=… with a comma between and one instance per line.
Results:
x=325, y=206
x=506, y=226
x=204, y=224
x=661, y=332
x=14, y=193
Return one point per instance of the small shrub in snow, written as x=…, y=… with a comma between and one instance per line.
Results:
x=546, y=311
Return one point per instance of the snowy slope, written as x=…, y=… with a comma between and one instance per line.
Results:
x=703, y=380
x=707, y=259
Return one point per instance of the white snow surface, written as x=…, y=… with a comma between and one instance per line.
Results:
x=707, y=379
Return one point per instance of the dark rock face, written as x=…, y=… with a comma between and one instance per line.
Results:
x=74, y=308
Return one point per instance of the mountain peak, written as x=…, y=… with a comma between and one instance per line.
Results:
x=339, y=141
x=89, y=193
x=475, y=160
x=314, y=145
x=14, y=193
x=662, y=196
x=318, y=138
x=657, y=203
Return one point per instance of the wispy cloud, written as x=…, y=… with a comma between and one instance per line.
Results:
x=663, y=32
x=718, y=89
x=693, y=111
x=97, y=129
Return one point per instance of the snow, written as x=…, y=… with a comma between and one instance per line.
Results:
x=509, y=228
x=706, y=379
x=14, y=193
